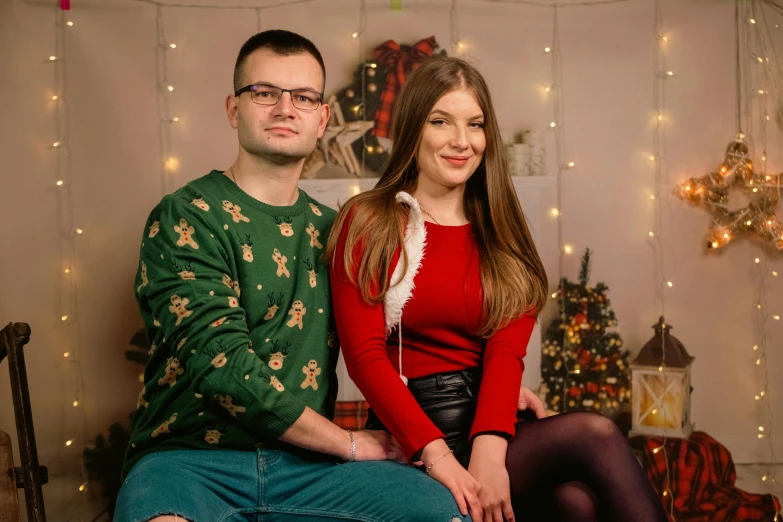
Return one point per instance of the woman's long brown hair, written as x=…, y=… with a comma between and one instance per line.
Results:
x=512, y=276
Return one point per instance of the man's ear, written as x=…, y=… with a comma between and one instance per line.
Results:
x=232, y=111
x=326, y=112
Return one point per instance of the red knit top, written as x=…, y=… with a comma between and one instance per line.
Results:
x=438, y=325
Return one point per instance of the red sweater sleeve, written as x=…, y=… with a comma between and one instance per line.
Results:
x=503, y=365
x=361, y=330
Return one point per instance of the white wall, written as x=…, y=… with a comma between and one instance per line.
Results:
x=607, y=65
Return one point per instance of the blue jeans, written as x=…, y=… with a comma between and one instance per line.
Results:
x=269, y=485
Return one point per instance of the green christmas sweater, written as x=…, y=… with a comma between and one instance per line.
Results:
x=235, y=301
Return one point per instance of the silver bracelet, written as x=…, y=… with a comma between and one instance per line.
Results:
x=436, y=460
x=353, y=447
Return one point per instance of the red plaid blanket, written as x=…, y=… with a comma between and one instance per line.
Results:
x=351, y=415
x=702, y=482
x=401, y=62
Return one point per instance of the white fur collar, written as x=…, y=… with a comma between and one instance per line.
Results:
x=402, y=286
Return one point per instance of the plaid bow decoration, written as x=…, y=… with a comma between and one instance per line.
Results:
x=401, y=61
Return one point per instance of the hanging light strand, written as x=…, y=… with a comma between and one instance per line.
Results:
x=660, y=282
x=757, y=45
x=73, y=424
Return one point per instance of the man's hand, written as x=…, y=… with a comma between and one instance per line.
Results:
x=529, y=400
x=376, y=445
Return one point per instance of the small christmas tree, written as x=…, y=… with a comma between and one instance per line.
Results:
x=583, y=365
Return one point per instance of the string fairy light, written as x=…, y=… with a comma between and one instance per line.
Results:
x=757, y=44
x=72, y=428
x=656, y=233
x=558, y=128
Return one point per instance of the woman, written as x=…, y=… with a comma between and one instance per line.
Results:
x=443, y=377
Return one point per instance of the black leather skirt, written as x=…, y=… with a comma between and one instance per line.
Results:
x=449, y=400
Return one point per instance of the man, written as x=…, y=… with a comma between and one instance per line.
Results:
x=235, y=301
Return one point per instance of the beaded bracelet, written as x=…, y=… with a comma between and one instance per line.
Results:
x=436, y=460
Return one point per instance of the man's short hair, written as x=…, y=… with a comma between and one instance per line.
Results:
x=280, y=42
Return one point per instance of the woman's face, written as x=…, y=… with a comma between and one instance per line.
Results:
x=453, y=142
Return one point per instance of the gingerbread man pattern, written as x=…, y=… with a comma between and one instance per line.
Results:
x=311, y=371
x=296, y=312
x=281, y=260
x=172, y=370
x=185, y=232
x=177, y=308
x=141, y=402
x=235, y=211
x=313, y=233
x=164, y=428
x=144, y=280
x=212, y=436
x=227, y=403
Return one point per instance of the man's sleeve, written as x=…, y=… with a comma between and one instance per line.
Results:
x=184, y=284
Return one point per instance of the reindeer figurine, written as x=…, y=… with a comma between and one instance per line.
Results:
x=285, y=224
x=276, y=358
x=274, y=306
x=312, y=270
x=187, y=273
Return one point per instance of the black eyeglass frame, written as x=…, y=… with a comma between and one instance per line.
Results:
x=250, y=88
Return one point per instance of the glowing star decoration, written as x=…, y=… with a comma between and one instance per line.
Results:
x=712, y=192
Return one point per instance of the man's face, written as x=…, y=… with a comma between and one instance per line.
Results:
x=280, y=133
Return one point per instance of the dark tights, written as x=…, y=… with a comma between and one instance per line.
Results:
x=578, y=467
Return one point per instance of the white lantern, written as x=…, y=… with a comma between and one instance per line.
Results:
x=661, y=377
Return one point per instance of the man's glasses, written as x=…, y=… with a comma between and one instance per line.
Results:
x=264, y=94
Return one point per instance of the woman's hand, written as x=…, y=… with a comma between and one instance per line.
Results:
x=448, y=471
x=488, y=467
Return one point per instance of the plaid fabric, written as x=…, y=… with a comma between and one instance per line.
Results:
x=702, y=481
x=400, y=62
x=351, y=415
